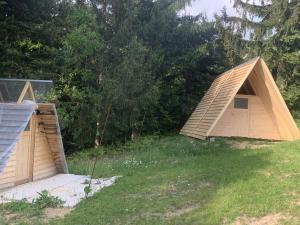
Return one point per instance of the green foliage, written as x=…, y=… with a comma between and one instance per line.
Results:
x=22, y=206
x=274, y=32
x=23, y=212
x=45, y=200
x=77, y=86
x=138, y=67
x=87, y=190
x=29, y=38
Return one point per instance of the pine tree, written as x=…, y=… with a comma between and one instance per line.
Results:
x=273, y=30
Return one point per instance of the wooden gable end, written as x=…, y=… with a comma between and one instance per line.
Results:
x=216, y=100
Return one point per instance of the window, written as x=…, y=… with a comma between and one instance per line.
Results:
x=241, y=103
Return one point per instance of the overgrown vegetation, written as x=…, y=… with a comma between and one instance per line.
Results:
x=274, y=33
x=46, y=200
x=25, y=212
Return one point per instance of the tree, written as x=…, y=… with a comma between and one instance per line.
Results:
x=126, y=67
x=30, y=31
x=78, y=86
x=274, y=31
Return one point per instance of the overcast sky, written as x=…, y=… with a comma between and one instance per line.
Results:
x=210, y=7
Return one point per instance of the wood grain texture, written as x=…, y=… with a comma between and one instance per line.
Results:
x=267, y=117
x=43, y=160
x=50, y=126
x=22, y=158
x=254, y=122
x=215, y=100
x=47, y=157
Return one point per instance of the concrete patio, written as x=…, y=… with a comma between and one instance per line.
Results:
x=67, y=187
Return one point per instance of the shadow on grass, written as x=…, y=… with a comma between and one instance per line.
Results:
x=172, y=180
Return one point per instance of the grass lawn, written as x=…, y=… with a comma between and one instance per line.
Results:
x=179, y=180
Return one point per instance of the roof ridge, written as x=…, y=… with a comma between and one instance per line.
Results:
x=242, y=64
x=247, y=62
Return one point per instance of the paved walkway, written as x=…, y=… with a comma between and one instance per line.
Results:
x=68, y=187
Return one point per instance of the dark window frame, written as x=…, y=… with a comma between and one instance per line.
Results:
x=241, y=103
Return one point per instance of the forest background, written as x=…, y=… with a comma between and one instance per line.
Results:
x=139, y=66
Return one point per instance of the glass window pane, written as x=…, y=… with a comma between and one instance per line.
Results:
x=241, y=103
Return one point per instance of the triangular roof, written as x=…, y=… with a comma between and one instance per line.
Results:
x=224, y=89
x=14, y=118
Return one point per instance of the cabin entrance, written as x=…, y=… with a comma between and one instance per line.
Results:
x=241, y=116
x=22, y=158
x=24, y=154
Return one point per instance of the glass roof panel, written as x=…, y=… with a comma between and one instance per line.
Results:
x=11, y=89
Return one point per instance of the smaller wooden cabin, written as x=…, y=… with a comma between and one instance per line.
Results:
x=31, y=146
x=243, y=102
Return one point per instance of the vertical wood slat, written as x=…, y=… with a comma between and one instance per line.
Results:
x=33, y=124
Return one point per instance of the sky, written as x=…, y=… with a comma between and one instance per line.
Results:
x=210, y=7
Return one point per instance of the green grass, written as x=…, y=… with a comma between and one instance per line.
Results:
x=23, y=212
x=179, y=180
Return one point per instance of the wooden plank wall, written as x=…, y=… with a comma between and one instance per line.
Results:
x=254, y=122
x=53, y=135
x=7, y=177
x=261, y=123
x=265, y=87
x=43, y=165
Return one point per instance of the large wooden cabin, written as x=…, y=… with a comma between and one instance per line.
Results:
x=243, y=102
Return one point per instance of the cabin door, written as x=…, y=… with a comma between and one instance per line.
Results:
x=241, y=123
x=241, y=117
x=22, y=158
x=24, y=153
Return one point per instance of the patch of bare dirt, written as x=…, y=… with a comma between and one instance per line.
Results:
x=52, y=213
x=296, y=198
x=9, y=216
x=265, y=173
x=171, y=214
x=284, y=176
x=180, y=212
x=245, y=144
x=297, y=202
x=270, y=219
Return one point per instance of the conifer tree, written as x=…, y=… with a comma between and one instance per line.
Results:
x=273, y=30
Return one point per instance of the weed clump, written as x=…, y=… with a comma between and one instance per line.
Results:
x=34, y=208
x=45, y=200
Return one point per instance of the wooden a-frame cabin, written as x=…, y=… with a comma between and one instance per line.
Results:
x=243, y=102
x=30, y=141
